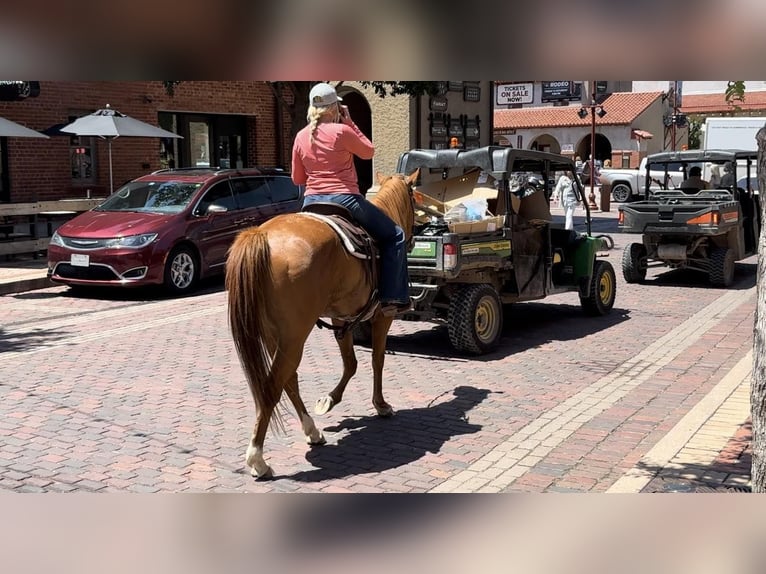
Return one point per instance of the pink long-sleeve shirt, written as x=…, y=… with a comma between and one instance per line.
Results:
x=327, y=164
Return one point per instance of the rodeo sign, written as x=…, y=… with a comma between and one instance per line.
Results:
x=508, y=94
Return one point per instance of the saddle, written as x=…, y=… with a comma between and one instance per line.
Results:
x=357, y=243
x=355, y=238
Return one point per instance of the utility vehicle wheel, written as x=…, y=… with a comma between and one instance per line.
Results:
x=181, y=271
x=603, y=288
x=722, y=267
x=621, y=193
x=634, y=263
x=475, y=321
x=362, y=333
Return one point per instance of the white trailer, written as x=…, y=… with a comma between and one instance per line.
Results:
x=732, y=133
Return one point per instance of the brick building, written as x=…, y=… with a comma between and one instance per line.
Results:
x=229, y=123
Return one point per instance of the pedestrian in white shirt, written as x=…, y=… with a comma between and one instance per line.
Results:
x=565, y=193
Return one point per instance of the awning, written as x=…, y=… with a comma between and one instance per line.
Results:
x=640, y=135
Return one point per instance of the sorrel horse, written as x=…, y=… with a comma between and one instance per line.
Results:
x=281, y=278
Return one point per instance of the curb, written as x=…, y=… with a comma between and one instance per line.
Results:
x=25, y=285
x=664, y=452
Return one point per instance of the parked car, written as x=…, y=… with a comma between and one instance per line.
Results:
x=171, y=228
x=629, y=184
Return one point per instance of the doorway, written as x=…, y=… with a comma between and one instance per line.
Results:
x=362, y=116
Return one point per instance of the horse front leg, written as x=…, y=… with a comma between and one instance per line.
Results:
x=380, y=326
x=346, y=345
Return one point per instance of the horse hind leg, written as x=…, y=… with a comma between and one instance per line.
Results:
x=346, y=344
x=314, y=436
x=254, y=455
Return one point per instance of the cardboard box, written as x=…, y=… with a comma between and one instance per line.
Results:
x=453, y=190
x=484, y=225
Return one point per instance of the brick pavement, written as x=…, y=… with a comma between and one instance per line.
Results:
x=142, y=394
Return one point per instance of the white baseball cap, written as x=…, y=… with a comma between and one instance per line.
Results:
x=323, y=95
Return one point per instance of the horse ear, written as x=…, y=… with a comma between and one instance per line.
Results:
x=413, y=177
x=380, y=177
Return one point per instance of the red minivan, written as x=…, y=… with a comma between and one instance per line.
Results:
x=171, y=228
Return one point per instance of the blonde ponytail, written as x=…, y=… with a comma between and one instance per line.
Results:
x=315, y=116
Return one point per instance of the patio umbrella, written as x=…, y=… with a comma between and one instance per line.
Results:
x=13, y=130
x=110, y=124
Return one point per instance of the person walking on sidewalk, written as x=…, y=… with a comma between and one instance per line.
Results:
x=323, y=161
x=565, y=193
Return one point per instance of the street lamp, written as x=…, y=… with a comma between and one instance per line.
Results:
x=595, y=110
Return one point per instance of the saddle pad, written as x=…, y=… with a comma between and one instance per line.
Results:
x=345, y=239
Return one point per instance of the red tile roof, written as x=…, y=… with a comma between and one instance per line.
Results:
x=716, y=103
x=621, y=108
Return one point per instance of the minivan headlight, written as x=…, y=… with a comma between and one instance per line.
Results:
x=131, y=241
x=56, y=239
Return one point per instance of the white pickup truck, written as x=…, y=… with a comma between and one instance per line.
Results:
x=628, y=184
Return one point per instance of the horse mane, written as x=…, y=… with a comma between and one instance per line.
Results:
x=394, y=200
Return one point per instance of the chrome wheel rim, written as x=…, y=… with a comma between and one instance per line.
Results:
x=182, y=270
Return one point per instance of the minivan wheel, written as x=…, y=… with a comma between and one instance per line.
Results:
x=181, y=271
x=621, y=193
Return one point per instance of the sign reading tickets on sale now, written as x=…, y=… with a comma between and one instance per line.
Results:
x=508, y=94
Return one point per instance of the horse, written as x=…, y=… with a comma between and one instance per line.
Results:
x=281, y=277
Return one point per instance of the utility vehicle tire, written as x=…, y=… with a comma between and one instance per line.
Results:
x=621, y=193
x=603, y=288
x=722, y=265
x=475, y=322
x=362, y=333
x=181, y=271
x=634, y=263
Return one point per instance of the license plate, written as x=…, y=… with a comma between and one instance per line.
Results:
x=79, y=260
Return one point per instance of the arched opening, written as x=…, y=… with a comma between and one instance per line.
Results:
x=362, y=116
x=603, y=148
x=546, y=142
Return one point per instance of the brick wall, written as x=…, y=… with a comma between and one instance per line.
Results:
x=40, y=169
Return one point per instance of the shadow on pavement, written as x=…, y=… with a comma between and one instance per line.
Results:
x=132, y=294
x=375, y=444
x=525, y=326
x=25, y=341
x=745, y=275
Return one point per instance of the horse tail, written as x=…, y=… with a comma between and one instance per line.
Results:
x=248, y=280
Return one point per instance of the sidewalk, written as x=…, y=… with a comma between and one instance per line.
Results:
x=23, y=273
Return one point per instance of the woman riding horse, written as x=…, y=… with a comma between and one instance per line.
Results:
x=281, y=277
x=323, y=161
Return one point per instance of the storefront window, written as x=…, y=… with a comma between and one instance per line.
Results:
x=82, y=158
x=199, y=134
x=168, y=146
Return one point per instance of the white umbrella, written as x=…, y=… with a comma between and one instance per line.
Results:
x=13, y=130
x=110, y=124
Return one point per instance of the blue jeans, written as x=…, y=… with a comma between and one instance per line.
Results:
x=394, y=279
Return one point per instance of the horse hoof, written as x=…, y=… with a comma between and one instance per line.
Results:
x=267, y=474
x=324, y=405
x=318, y=442
x=384, y=411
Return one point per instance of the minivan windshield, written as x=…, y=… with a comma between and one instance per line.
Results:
x=153, y=196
